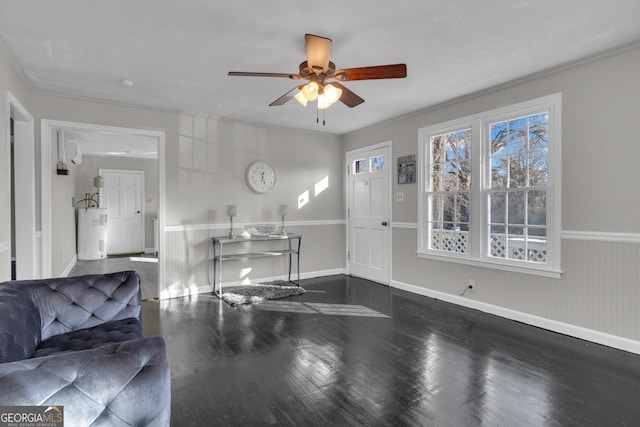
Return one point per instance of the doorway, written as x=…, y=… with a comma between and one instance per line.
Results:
x=21, y=176
x=369, y=213
x=49, y=129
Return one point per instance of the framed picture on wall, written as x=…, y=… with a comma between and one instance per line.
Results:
x=407, y=169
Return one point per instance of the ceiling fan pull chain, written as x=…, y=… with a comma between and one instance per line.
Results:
x=323, y=121
x=317, y=115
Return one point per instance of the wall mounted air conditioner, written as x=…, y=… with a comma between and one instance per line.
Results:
x=68, y=152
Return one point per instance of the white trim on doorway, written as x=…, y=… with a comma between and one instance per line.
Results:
x=24, y=186
x=46, y=128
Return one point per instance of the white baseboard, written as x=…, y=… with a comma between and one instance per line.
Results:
x=204, y=289
x=609, y=340
x=69, y=267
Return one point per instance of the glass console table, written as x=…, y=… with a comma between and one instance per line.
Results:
x=219, y=254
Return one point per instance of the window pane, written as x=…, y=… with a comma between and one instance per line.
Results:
x=450, y=148
x=464, y=146
x=498, y=138
x=464, y=175
x=537, y=211
x=518, y=170
x=463, y=206
x=499, y=168
x=515, y=232
x=516, y=207
x=436, y=207
x=538, y=168
x=537, y=232
x=538, y=131
x=437, y=177
x=437, y=149
x=377, y=164
x=359, y=166
x=498, y=204
x=517, y=135
x=448, y=211
x=450, y=176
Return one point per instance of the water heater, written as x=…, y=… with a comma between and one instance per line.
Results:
x=92, y=233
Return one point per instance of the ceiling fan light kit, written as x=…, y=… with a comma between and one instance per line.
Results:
x=317, y=69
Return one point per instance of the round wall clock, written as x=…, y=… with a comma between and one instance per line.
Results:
x=261, y=177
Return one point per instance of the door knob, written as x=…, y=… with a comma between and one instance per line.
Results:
x=138, y=212
x=384, y=223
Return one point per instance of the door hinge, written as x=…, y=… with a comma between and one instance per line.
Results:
x=348, y=213
x=348, y=169
x=349, y=256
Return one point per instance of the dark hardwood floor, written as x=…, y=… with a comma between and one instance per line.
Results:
x=353, y=352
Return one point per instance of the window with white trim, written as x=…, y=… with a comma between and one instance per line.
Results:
x=490, y=188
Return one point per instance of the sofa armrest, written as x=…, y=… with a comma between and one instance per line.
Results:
x=117, y=384
x=70, y=303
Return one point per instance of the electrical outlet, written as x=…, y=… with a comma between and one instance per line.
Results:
x=399, y=196
x=471, y=284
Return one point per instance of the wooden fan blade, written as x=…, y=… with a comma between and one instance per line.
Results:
x=252, y=74
x=318, y=51
x=395, y=71
x=348, y=98
x=284, y=98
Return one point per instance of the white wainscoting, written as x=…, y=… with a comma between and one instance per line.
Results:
x=597, y=298
x=530, y=319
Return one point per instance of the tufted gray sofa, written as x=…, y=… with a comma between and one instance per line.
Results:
x=77, y=342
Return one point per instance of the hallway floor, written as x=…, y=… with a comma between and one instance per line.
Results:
x=145, y=265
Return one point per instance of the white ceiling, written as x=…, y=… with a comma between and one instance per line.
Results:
x=178, y=53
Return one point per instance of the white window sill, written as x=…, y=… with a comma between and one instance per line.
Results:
x=535, y=269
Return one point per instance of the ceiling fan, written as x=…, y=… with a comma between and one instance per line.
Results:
x=323, y=79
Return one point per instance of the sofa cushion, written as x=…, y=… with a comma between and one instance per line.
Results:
x=83, y=339
x=67, y=304
x=19, y=325
x=123, y=384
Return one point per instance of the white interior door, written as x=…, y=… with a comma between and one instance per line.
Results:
x=123, y=195
x=368, y=213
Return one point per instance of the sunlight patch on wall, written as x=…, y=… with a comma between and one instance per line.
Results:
x=321, y=185
x=303, y=199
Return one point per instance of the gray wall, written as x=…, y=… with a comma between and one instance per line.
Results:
x=89, y=167
x=600, y=204
x=209, y=163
